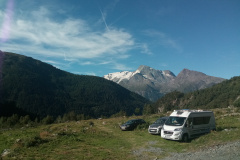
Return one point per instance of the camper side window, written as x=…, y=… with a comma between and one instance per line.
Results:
x=189, y=122
x=200, y=120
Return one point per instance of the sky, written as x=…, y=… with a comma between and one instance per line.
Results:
x=97, y=37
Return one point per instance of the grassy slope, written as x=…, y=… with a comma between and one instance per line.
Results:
x=104, y=140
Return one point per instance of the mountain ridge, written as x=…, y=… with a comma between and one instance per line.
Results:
x=142, y=69
x=153, y=84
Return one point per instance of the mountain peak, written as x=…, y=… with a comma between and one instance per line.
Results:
x=152, y=83
x=143, y=71
x=148, y=71
x=186, y=73
x=186, y=70
x=143, y=67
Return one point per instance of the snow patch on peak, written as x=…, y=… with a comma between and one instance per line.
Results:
x=168, y=73
x=144, y=71
x=137, y=71
x=119, y=76
x=147, y=77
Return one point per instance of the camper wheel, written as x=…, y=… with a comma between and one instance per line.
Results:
x=185, y=138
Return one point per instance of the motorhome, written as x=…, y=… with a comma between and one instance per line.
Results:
x=183, y=125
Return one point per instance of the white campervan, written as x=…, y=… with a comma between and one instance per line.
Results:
x=186, y=124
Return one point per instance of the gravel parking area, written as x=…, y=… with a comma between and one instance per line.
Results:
x=229, y=151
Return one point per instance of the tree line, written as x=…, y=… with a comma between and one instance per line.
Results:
x=220, y=95
x=27, y=121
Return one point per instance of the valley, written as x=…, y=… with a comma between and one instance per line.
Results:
x=79, y=116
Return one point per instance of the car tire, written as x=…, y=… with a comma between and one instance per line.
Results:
x=185, y=138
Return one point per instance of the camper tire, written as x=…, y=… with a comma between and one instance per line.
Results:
x=185, y=138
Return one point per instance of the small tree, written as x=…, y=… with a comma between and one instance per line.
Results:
x=237, y=103
x=3, y=121
x=25, y=120
x=137, y=111
x=58, y=119
x=148, y=109
x=70, y=116
x=13, y=120
x=80, y=117
x=48, y=120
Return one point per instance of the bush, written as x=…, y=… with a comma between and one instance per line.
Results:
x=237, y=103
x=13, y=120
x=91, y=124
x=48, y=120
x=35, y=141
x=143, y=126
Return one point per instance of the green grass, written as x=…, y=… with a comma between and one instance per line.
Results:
x=102, y=139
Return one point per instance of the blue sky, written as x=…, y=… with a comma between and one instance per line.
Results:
x=97, y=37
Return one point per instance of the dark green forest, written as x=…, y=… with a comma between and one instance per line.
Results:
x=29, y=86
x=222, y=95
x=31, y=90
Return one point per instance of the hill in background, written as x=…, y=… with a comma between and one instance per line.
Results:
x=41, y=89
x=222, y=95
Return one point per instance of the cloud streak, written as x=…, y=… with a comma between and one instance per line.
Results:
x=103, y=18
x=4, y=34
x=163, y=39
x=71, y=38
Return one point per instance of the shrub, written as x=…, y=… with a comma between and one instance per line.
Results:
x=143, y=126
x=91, y=124
x=48, y=120
x=35, y=141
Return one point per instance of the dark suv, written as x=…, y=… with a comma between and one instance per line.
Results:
x=131, y=124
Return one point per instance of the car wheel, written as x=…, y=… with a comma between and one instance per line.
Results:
x=185, y=138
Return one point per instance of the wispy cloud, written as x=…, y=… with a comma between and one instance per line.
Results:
x=163, y=39
x=145, y=49
x=121, y=67
x=69, y=38
x=164, y=64
x=103, y=19
x=108, y=9
x=6, y=24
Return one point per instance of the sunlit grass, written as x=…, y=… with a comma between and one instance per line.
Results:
x=102, y=139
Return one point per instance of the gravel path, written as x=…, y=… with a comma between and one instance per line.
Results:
x=228, y=151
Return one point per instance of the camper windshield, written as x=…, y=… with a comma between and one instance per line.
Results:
x=175, y=121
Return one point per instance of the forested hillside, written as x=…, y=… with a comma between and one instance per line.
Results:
x=222, y=95
x=41, y=89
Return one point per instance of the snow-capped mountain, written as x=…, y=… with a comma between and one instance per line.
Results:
x=153, y=84
x=119, y=76
x=144, y=71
